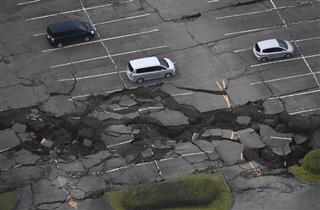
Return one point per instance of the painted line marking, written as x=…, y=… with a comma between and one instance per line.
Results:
x=88, y=77
x=244, y=14
x=286, y=60
x=106, y=56
x=105, y=39
x=304, y=111
x=121, y=19
x=86, y=95
x=283, y=78
x=212, y=1
x=73, y=11
x=181, y=94
x=27, y=2
x=251, y=30
x=121, y=143
x=39, y=34
x=282, y=138
x=295, y=94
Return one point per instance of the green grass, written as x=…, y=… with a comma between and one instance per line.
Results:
x=197, y=192
x=303, y=175
x=311, y=161
x=8, y=200
x=310, y=170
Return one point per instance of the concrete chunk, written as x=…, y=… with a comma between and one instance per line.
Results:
x=230, y=152
x=170, y=118
x=8, y=140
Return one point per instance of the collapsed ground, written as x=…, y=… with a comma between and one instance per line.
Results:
x=139, y=135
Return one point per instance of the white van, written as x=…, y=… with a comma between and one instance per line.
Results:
x=149, y=68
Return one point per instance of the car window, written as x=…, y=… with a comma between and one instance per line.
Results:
x=163, y=62
x=282, y=44
x=156, y=68
x=268, y=50
x=257, y=47
x=130, y=67
x=278, y=49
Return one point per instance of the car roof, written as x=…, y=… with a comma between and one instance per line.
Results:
x=64, y=26
x=270, y=43
x=144, y=62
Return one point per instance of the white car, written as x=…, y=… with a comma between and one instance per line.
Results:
x=273, y=48
x=149, y=68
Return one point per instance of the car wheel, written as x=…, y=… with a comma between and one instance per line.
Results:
x=168, y=75
x=86, y=38
x=264, y=59
x=139, y=81
x=288, y=55
x=59, y=45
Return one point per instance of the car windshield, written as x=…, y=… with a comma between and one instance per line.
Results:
x=130, y=67
x=257, y=47
x=81, y=26
x=163, y=62
x=282, y=44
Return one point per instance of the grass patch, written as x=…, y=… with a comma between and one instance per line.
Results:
x=310, y=170
x=197, y=192
x=8, y=200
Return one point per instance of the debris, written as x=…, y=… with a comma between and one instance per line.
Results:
x=46, y=143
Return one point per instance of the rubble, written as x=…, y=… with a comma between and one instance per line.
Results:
x=8, y=140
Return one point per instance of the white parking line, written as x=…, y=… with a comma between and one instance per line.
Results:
x=88, y=77
x=181, y=94
x=296, y=94
x=125, y=142
x=244, y=14
x=27, y=2
x=283, y=78
x=251, y=30
x=121, y=19
x=304, y=111
x=286, y=60
x=73, y=11
x=106, y=56
x=39, y=34
x=86, y=95
x=212, y=1
x=105, y=39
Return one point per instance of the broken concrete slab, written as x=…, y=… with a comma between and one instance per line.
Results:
x=147, y=153
x=127, y=101
x=110, y=140
x=77, y=194
x=186, y=148
x=8, y=140
x=91, y=160
x=205, y=145
x=115, y=163
x=6, y=163
x=116, y=130
x=44, y=192
x=87, y=143
x=71, y=167
x=212, y=132
x=58, y=106
x=106, y=115
x=24, y=157
x=299, y=139
x=20, y=175
x=25, y=198
x=91, y=184
x=243, y=120
x=56, y=87
x=249, y=138
x=19, y=128
x=170, y=118
x=174, y=168
x=282, y=151
x=273, y=106
x=230, y=152
x=273, y=138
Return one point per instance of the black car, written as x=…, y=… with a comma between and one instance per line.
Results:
x=67, y=32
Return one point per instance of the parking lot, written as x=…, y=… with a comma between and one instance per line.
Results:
x=116, y=139
x=207, y=46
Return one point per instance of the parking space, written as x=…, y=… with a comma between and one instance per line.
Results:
x=213, y=46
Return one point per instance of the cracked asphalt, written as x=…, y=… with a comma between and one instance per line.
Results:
x=72, y=126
